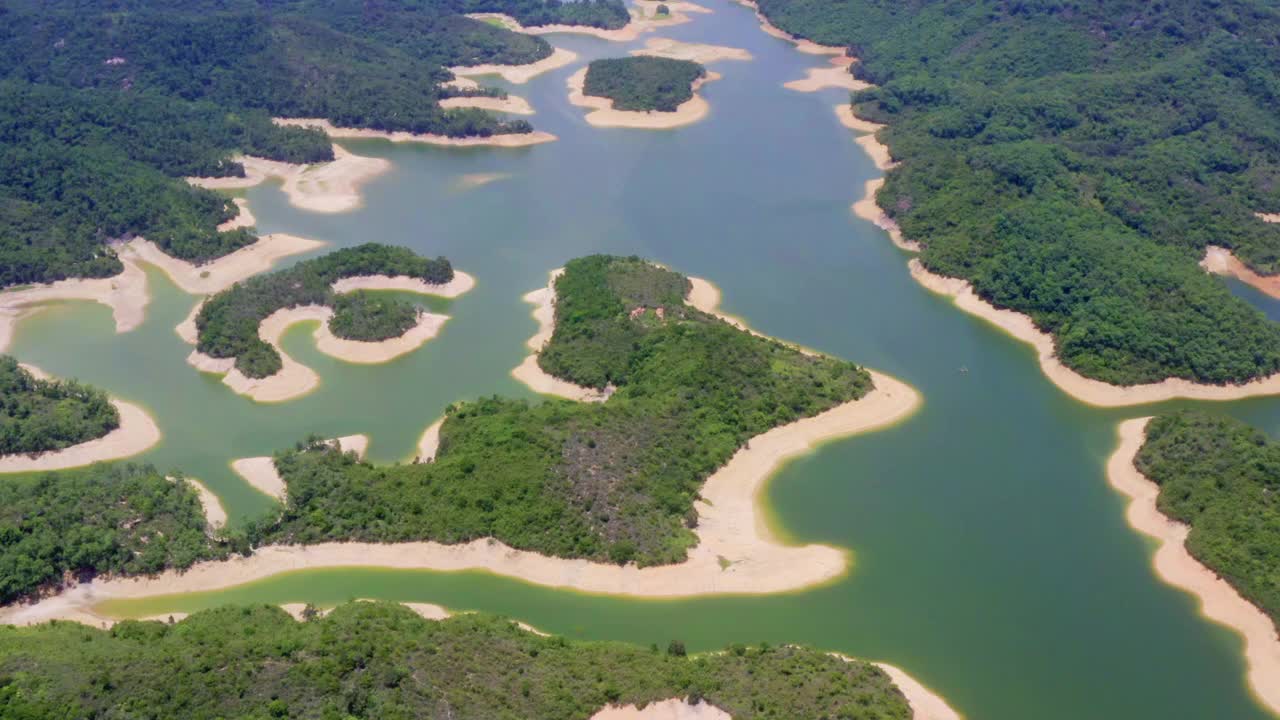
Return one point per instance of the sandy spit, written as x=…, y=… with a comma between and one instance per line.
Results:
x=694, y=52
x=1219, y=602
x=603, y=114
x=1092, y=392
x=868, y=209
x=528, y=372
x=807, y=47
x=214, y=513
x=295, y=379
x=137, y=433
x=1220, y=261
x=518, y=74
x=737, y=552
x=126, y=294
x=835, y=75
x=514, y=140
x=509, y=104
x=220, y=274
x=330, y=187
x=260, y=472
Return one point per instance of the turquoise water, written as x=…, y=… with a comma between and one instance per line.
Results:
x=992, y=560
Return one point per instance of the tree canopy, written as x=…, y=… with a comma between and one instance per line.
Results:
x=643, y=83
x=40, y=415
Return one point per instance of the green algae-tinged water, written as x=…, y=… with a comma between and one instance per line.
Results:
x=992, y=560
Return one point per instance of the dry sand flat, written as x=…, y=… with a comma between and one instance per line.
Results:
x=1220, y=261
x=513, y=140
x=126, y=294
x=518, y=74
x=1092, y=392
x=294, y=379
x=693, y=52
x=509, y=104
x=835, y=75
x=220, y=274
x=603, y=115
x=1218, y=600
x=136, y=433
x=260, y=472
x=330, y=187
x=528, y=372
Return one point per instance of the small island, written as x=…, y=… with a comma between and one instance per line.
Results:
x=642, y=91
x=400, y=664
x=235, y=332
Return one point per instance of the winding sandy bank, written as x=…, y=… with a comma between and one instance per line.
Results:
x=126, y=294
x=1219, y=602
x=512, y=140
x=868, y=209
x=260, y=472
x=603, y=114
x=330, y=187
x=220, y=274
x=836, y=75
x=693, y=52
x=214, y=514
x=807, y=47
x=518, y=74
x=294, y=379
x=528, y=372
x=1220, y=261
x=510, y=104
x=1092, y=392
x=136, y=433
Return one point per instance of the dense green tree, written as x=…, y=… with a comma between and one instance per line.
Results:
x=643, y=83
x=40, y=415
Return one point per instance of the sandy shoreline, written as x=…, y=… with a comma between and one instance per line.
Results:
x=868, y=209
x=126, y=294
x=429, y=442
x=645, y=20
x=1219, y=602
x=1091, y=392
x=214, y=514
x=513, y=140
x=294, y=379
x=329, y=187
x=807, y=47
x=1220, y=261
x=677, y=708
x=260, y=472
x=512, y=104
x=693, y=52
x=518, y=74
x=244, y=219
x=528, y=372
x=835, y=75
x=867, y=139
x=603, y=115
x=220, y=274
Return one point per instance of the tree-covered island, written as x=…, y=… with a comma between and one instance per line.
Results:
x=643, y=83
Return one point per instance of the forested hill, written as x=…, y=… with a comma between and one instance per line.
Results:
x=104, y=106
x=1073, y=159
x=381, y=660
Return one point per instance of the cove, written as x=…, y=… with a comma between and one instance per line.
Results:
x=991, y=559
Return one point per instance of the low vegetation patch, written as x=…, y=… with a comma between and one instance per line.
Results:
x=380, y=660
x=643, y=83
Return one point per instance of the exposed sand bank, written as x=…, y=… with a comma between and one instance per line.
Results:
x=925, y=703
x=295, y=379
x=1220, y=261
x=260, y=472
x=1092, y=392
x=220, y=274
x=603, y=114
x=510, y=104
x=512, y=140
x=737, y=553
x=518, y=74
x=528, y=372
x=330, y=187
x=1219, y=602
x=672, y=709
x=126, y=294
x=137, y=433
x=429, y=443
x=1268, y=217
x=214, y=514
x=835, y=75
x=868, y=140
x=807, y=47
x=694, y=52
x=244, y=219
x=868, y=209
x=644, y=18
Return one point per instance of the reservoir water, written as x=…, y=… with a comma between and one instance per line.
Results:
x=991, y=558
